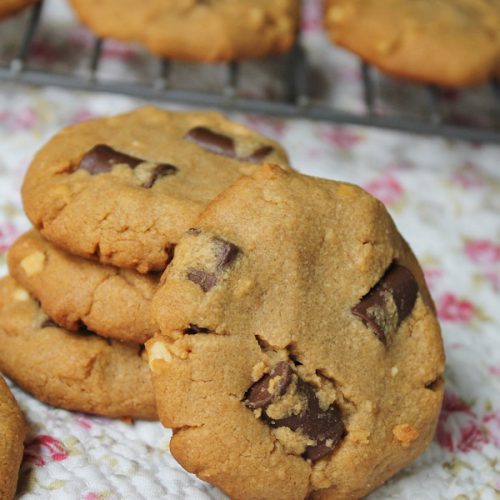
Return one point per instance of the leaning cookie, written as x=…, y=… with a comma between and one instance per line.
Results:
x=72, y=370
x=12, y=433
x=452, y=43
x=123, y=189
x=220, y=30
x=76, y=292
x=10, y=7
x=299, y=350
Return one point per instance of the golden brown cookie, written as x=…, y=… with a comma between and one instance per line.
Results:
x=123, y=189
x=452, y=43
x=215, y=30
x=72, y=370
x=107, y=300
x=9, y=7
x=299, y=350
x=12, y=433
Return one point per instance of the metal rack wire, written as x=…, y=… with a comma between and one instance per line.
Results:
x=297, y=101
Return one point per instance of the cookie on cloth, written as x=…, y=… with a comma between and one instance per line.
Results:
x=123, y=189
x=299, y=351
x=72, y=370
x=452, y=43
x=76, y=292
x=10, y=7
x=218, y=30
x=12, y=433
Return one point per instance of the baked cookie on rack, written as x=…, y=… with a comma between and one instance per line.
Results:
x=76, y=292
x=299, y=351
x=218, y=30
x=452, y=43
x=10, y=7
x=71, y=370
x=123, y=189
x=12, y=433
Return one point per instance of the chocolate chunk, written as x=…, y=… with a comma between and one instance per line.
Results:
x=258, y=155
x=212, y=141
x=326, y=427
x=48, y=323
x=161, y=170
x=101, y=159
x=202, y=278
x=226, y=253
x=259, y=395
x=389, y=302
x=192, y=329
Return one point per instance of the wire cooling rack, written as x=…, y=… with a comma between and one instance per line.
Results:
x=297, y=101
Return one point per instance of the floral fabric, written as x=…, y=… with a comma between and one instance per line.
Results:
x=445, y=198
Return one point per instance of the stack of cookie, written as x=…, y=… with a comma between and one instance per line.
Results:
x=293, y=344
x=110, y=199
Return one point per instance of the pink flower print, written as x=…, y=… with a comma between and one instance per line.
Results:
x=83, y=422
x=451, y=308
x=82, y=115
x=44, y=449
x=24, y=119
x=386, y=188
x=340, y=137
x=272, y=127
x=492, y=424
x=494, y=370
x=493, y=277
x=483, y=251
x=432, y=276
x=472, y=437
x=91, y=496
x=8, y=233
x=468, y=177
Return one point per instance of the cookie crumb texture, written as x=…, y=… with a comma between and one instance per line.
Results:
x=71, y=370
x=122, y=190
x=197, y=30
x=282, y=316
x=12, y=433
x=451, y=43
x=76, y=292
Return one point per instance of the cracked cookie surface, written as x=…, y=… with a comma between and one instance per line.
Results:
x=451, y=43
x=76, y=292
x=299, y=347
x=123, y=189
x=12, y=432
x=71, y=370
x=198, y=30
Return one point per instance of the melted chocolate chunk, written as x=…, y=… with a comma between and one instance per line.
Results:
x=258, y=155
x=389, y=302
x=202, y=278
x=192, y=329
x=48, y=323
x=212, y=141
x=325, y=426
x=101, y=159
x=227, y=252
x=259, y=395
x=161, y=170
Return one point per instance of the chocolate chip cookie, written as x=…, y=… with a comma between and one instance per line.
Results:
x=123, y=189
x=71, y=370
x=76, y=292
x=197, y=30
x=299, y=351
x=9, y=7
x=452, y=43
x=12, y=432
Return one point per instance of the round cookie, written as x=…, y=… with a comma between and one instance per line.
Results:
x=299, y=351
x=76, y=292
x=9, y=7
x=12, y=432
x=219, y=30
x=451, y=43
x=123, y=189
x=76, y=371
